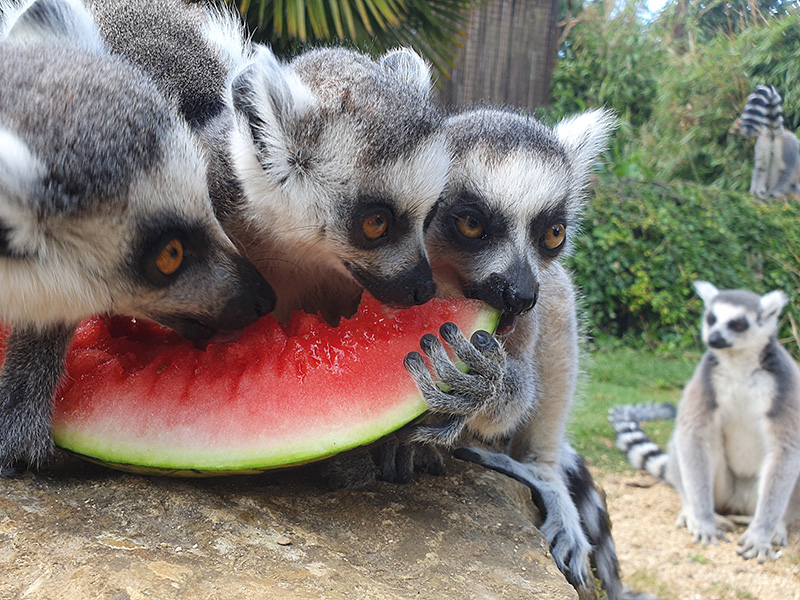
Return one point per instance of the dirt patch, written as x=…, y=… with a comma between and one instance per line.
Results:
x=658, y=558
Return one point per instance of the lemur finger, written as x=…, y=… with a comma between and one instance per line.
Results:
x=449, y=374
x=481, y=354
x=428, y=459
x=446, y=434
x=435, y=398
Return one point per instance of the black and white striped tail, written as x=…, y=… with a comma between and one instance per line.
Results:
x=642, y=452
x=763, y=109
x=595, y=522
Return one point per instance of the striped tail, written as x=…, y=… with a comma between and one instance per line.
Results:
x=642, y=452
x=763, y=109
x=595, y=521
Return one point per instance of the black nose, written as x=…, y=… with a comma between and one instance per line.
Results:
x=424, y=291
x=715, y=340
x=255, y=298
x=518, y=302
x=408, y=288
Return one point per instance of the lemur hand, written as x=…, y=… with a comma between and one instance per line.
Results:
x=758, y=545
x=705, y=532
x=470, y=393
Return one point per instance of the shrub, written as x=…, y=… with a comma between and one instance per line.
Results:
x=644, y=243
x=702, y=91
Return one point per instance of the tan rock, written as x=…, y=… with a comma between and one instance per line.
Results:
x=76, y=531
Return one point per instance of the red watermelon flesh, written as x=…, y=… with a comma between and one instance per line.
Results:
x=139, y=397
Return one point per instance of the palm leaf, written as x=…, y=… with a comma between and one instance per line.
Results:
x=436, y=28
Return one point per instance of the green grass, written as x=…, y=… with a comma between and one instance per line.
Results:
x=622, y=376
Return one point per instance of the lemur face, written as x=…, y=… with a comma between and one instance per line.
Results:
x=349, y=157
x=738, y=319
x=104, y=204
x=510, y=206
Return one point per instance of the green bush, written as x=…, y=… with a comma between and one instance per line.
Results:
x=700, y=94
x=644, y=243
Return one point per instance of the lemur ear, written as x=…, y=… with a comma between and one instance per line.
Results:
x=58, y=22
x=20, y=171
x=269, y=95
x=707, y=291
x=772, y=304
x=410, y=67
x=585, y=137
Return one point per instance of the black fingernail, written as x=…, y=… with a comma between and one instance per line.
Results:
x=427, y=341
x=448, y=329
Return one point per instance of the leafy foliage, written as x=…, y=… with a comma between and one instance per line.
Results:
x=644, y=244
x=677, y=92
x=436, y=28
x=702, y=93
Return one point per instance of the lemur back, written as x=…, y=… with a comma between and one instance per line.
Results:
x=736, y=445
x=103, y=207
x=777, y=164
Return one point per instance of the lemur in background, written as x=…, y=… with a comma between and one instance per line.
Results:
x=497, y=234
x=777, y=165
x=103, y=208
x=322, y=169
x=735, y=449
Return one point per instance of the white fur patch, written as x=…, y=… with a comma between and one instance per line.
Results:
x=71, y=24
x=585, y=136
x=772, y=303
x=415, y=183
x=19, y=171
x=707, y=291
x=223, y=30
x=519, y=184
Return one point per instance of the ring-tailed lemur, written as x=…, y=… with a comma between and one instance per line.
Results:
x=735, y=449
x=514, y=192
x=103, y=208
x=777, y=164
x=322, y=169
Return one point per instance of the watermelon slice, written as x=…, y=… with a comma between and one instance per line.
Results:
x=138, y=397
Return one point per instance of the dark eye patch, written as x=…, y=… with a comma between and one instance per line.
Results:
x=711, y=319
x=738, y=325
x=155, y=234
x=397, y=225
x=545, y=222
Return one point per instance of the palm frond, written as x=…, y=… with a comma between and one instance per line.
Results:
x=436, y=28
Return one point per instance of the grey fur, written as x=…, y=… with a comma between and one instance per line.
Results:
x=298, y=152
x=777, y=161
x=163, y=38
x=96, y=176
x=736, y=445
x=324, y=142
x=521, y=181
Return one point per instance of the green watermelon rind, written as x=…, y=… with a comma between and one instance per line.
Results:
x=217, y=462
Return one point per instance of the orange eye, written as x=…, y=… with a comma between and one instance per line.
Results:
x=171, y=257
x=375, y=226
x=469, y=226
x=555, y=236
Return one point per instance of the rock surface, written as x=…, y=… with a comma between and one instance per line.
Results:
x=76, y=531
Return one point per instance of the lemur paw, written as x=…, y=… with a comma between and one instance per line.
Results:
x=705, y=532
x=753, y=545
x=561, y=524
x=349, y=471
x=468, y=393
x=23, y=447
x=399, y=462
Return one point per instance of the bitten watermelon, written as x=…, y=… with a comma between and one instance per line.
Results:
x=139, y=397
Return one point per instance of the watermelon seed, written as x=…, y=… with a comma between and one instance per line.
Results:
x=161, y=369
